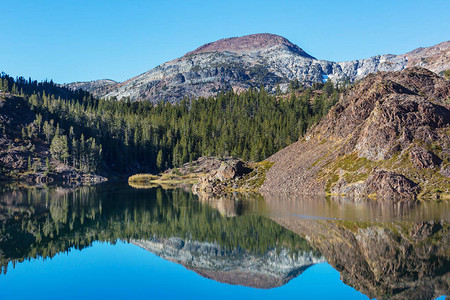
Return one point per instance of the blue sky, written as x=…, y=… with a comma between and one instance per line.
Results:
x=86, y=39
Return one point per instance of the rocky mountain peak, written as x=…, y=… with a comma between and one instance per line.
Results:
x=252, y=42
x=239, y=63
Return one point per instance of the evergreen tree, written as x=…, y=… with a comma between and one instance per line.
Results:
x=159, y=160
x=59, y=149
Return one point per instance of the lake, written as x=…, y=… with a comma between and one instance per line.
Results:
x=117, y=242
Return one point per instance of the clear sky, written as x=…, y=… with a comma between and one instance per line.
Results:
x=87, y=39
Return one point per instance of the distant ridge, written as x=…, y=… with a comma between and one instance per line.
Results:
x=435, y=58
x=96, y=87
x=239, y=63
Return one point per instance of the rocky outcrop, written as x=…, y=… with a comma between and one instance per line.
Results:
x=216, y=180
x=423, y=158
x=236, y=267
x=391, y=260
x=250, y=61
x=204, y=164
x=388, y=184
x=96, y=87
x=388, y=137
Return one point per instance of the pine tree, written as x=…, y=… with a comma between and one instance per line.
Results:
x=59, y=149
x=47, y=165
x=159, y=160
x=75, y=153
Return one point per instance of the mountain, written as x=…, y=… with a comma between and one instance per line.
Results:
x=249, y=43
x=253, y=60
x=96, y=87
x=435, y=58
x=387, y=137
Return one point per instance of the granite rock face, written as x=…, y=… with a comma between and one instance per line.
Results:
x=96, y=87
x=236, y=267
x=251, y=61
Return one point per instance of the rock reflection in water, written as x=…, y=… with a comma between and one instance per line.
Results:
x=310, y=206
x=235, y=204
x=397, y=250
x=383, y=249
x=402, y=260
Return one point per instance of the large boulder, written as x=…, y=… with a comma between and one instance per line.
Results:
x=390, y=185
x=230, y=169
x=217, y=180
x=423, y=158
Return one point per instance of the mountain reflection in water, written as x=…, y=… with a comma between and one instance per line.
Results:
x=250, y=241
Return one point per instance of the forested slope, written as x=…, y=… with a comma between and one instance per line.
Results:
x=95, y=135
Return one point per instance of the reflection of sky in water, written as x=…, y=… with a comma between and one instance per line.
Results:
x=125, y=271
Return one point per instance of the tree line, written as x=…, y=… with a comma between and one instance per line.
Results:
x=125, y=136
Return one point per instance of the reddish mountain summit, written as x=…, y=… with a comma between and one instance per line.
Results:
x=249, y=43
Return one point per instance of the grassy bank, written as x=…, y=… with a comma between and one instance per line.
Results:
x=164, y=180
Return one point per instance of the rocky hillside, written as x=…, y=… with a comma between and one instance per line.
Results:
x=435, y=58
x=242, y=62
x=96, y=87
x=233, y=267
x=388, y=137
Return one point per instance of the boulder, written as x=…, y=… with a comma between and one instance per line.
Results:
x=217, y=180
x=390, y=185
x=230, y=169
x=423, y=158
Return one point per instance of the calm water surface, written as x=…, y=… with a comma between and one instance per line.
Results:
x=113, y=241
